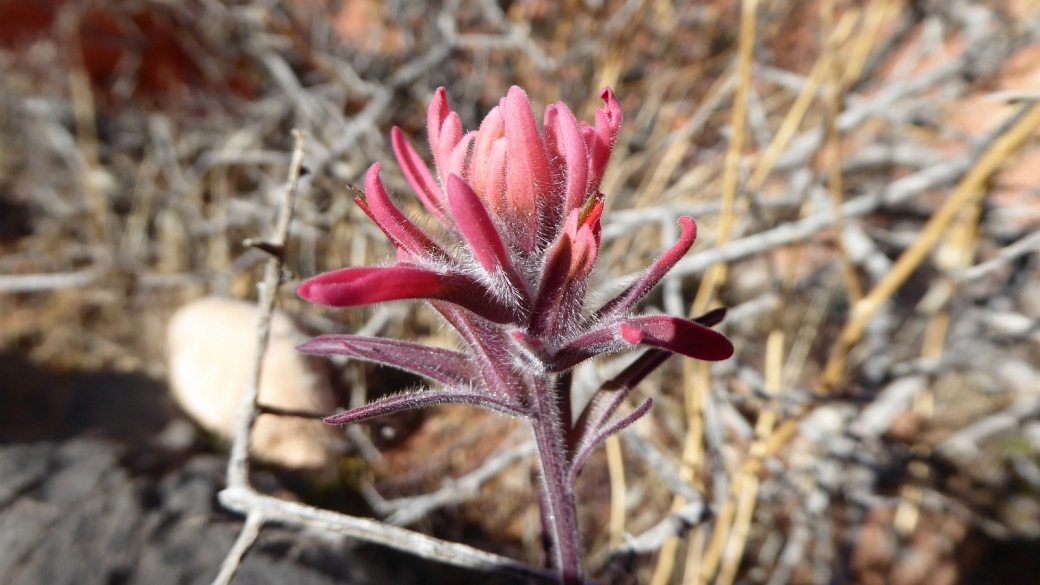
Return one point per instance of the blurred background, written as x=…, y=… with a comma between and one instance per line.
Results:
x=864, y=175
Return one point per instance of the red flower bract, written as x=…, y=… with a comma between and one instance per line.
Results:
x=526, y=208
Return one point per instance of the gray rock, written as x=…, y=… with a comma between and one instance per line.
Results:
x=74, y=515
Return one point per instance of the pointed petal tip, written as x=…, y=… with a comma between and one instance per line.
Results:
x=355, y=287
x=712, y=318
x=336, y=419
x=631, y=335
x=308, y=347
x=396, y=135
x=437, y=112
x=688, y=338
x=321, y=293
x=612, y=106
x=306, y=291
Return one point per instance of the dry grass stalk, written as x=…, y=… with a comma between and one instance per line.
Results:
x=796, y=113
x=748, y=482
x=968, y=190
x=238, y=462
x=698, y=376
x=835, y=92
x=616, y=468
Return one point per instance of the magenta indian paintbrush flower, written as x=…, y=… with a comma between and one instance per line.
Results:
x=522, y=209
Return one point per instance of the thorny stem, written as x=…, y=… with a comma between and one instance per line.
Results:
x=238, y=462
x=560, y=514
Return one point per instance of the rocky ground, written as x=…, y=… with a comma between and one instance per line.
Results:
x=103, y=481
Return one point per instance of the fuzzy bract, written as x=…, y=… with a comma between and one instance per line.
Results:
x=523, y=207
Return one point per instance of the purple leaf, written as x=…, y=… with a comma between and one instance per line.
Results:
x=609, y=397
x=489, y=347
x=421, y=399
x=450, y=368
x=670, y=333
x=585, y=449
x=680, y=336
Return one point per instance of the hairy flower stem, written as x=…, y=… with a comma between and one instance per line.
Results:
x=521, y=208
x=560, y=515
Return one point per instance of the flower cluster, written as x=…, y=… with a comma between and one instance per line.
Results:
x=521, y=209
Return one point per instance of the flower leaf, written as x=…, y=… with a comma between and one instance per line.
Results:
x=418, y=175
x=564, y=139
x=634, y=293
x=421, y=399
x=398, y=228
x=600, y=140
x=601, y=434
x=482, y=172
x=480, y=232
x=438, y=365
x=365, y=285
x=673, y=334
x=528, y=179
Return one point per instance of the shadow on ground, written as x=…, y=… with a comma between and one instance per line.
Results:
x=102, y=481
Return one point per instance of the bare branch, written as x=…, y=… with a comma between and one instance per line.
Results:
x=409, y=510
x=238, y=461
x=246, y=538
x=244, y=499
x=673, y=524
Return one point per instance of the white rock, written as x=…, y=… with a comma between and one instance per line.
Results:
x=824, y=423
x=1008, y=323
x=892, y=401
x=1029, y=298
x=1018, y=376
x=210, y=345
